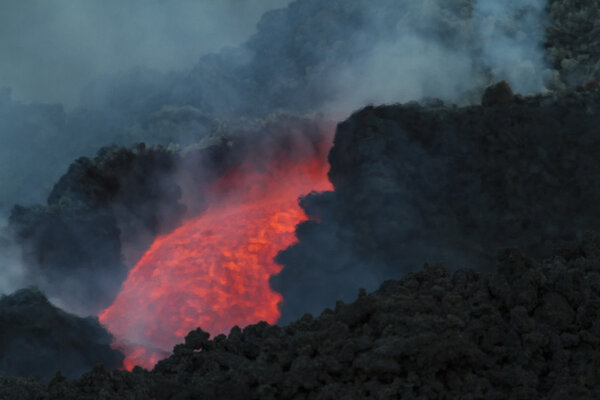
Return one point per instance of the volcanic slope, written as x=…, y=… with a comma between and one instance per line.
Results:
x=433, y=182
x=526, y=330
x=37, y=339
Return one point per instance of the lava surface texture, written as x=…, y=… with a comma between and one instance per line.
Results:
x=213, y=271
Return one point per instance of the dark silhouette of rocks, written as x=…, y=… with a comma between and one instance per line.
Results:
x=438, y=183
x=73, y=245
x=525, y=330
x=37, y=339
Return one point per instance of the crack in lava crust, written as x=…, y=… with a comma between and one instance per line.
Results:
x=213, y=272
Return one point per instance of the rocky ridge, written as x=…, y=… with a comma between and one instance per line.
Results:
x=433, y=182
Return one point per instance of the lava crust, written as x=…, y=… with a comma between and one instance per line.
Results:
x=525, y=330
x=433, y=182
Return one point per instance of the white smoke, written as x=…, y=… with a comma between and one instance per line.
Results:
x=512, y=35
x=447, y=51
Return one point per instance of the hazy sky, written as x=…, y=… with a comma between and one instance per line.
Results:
x=49, y=49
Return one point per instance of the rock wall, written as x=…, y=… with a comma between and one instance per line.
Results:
x=433, y=182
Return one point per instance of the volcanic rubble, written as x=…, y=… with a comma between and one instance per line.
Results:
x=432, y=182
x=527, y=330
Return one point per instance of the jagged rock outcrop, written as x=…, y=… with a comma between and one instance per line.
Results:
x=433, y=182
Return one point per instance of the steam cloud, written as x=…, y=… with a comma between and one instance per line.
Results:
x=308, y=57
x=512, y=35
x=50, y=50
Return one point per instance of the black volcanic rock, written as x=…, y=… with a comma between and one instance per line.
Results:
x=37, y=339
x=73, y=246
x=417, y=183
x=524, y=330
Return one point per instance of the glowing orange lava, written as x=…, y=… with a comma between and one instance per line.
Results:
x=213, y=272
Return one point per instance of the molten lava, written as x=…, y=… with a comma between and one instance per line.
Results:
x=213, y=272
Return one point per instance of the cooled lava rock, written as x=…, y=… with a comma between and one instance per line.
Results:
x=525, y=330
x=439, y=183
x=72, y=246
x=103, y=214
x=38, y=339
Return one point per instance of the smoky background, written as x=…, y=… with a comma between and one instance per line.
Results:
x=187, y=74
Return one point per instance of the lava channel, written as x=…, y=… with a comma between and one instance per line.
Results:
x=213, y=272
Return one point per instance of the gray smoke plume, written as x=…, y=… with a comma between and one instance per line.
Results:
x=443, y=49
x=307, y=57
x=51, y=49
x=143, y=72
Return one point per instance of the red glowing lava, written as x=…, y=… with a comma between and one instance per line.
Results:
x=213, y=271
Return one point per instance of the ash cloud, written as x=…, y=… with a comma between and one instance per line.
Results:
x=52, y=49
x=311, y=57
x=443, y=49
x=439, y=184
x=155, y=72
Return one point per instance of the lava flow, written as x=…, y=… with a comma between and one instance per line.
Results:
x=213, y=272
